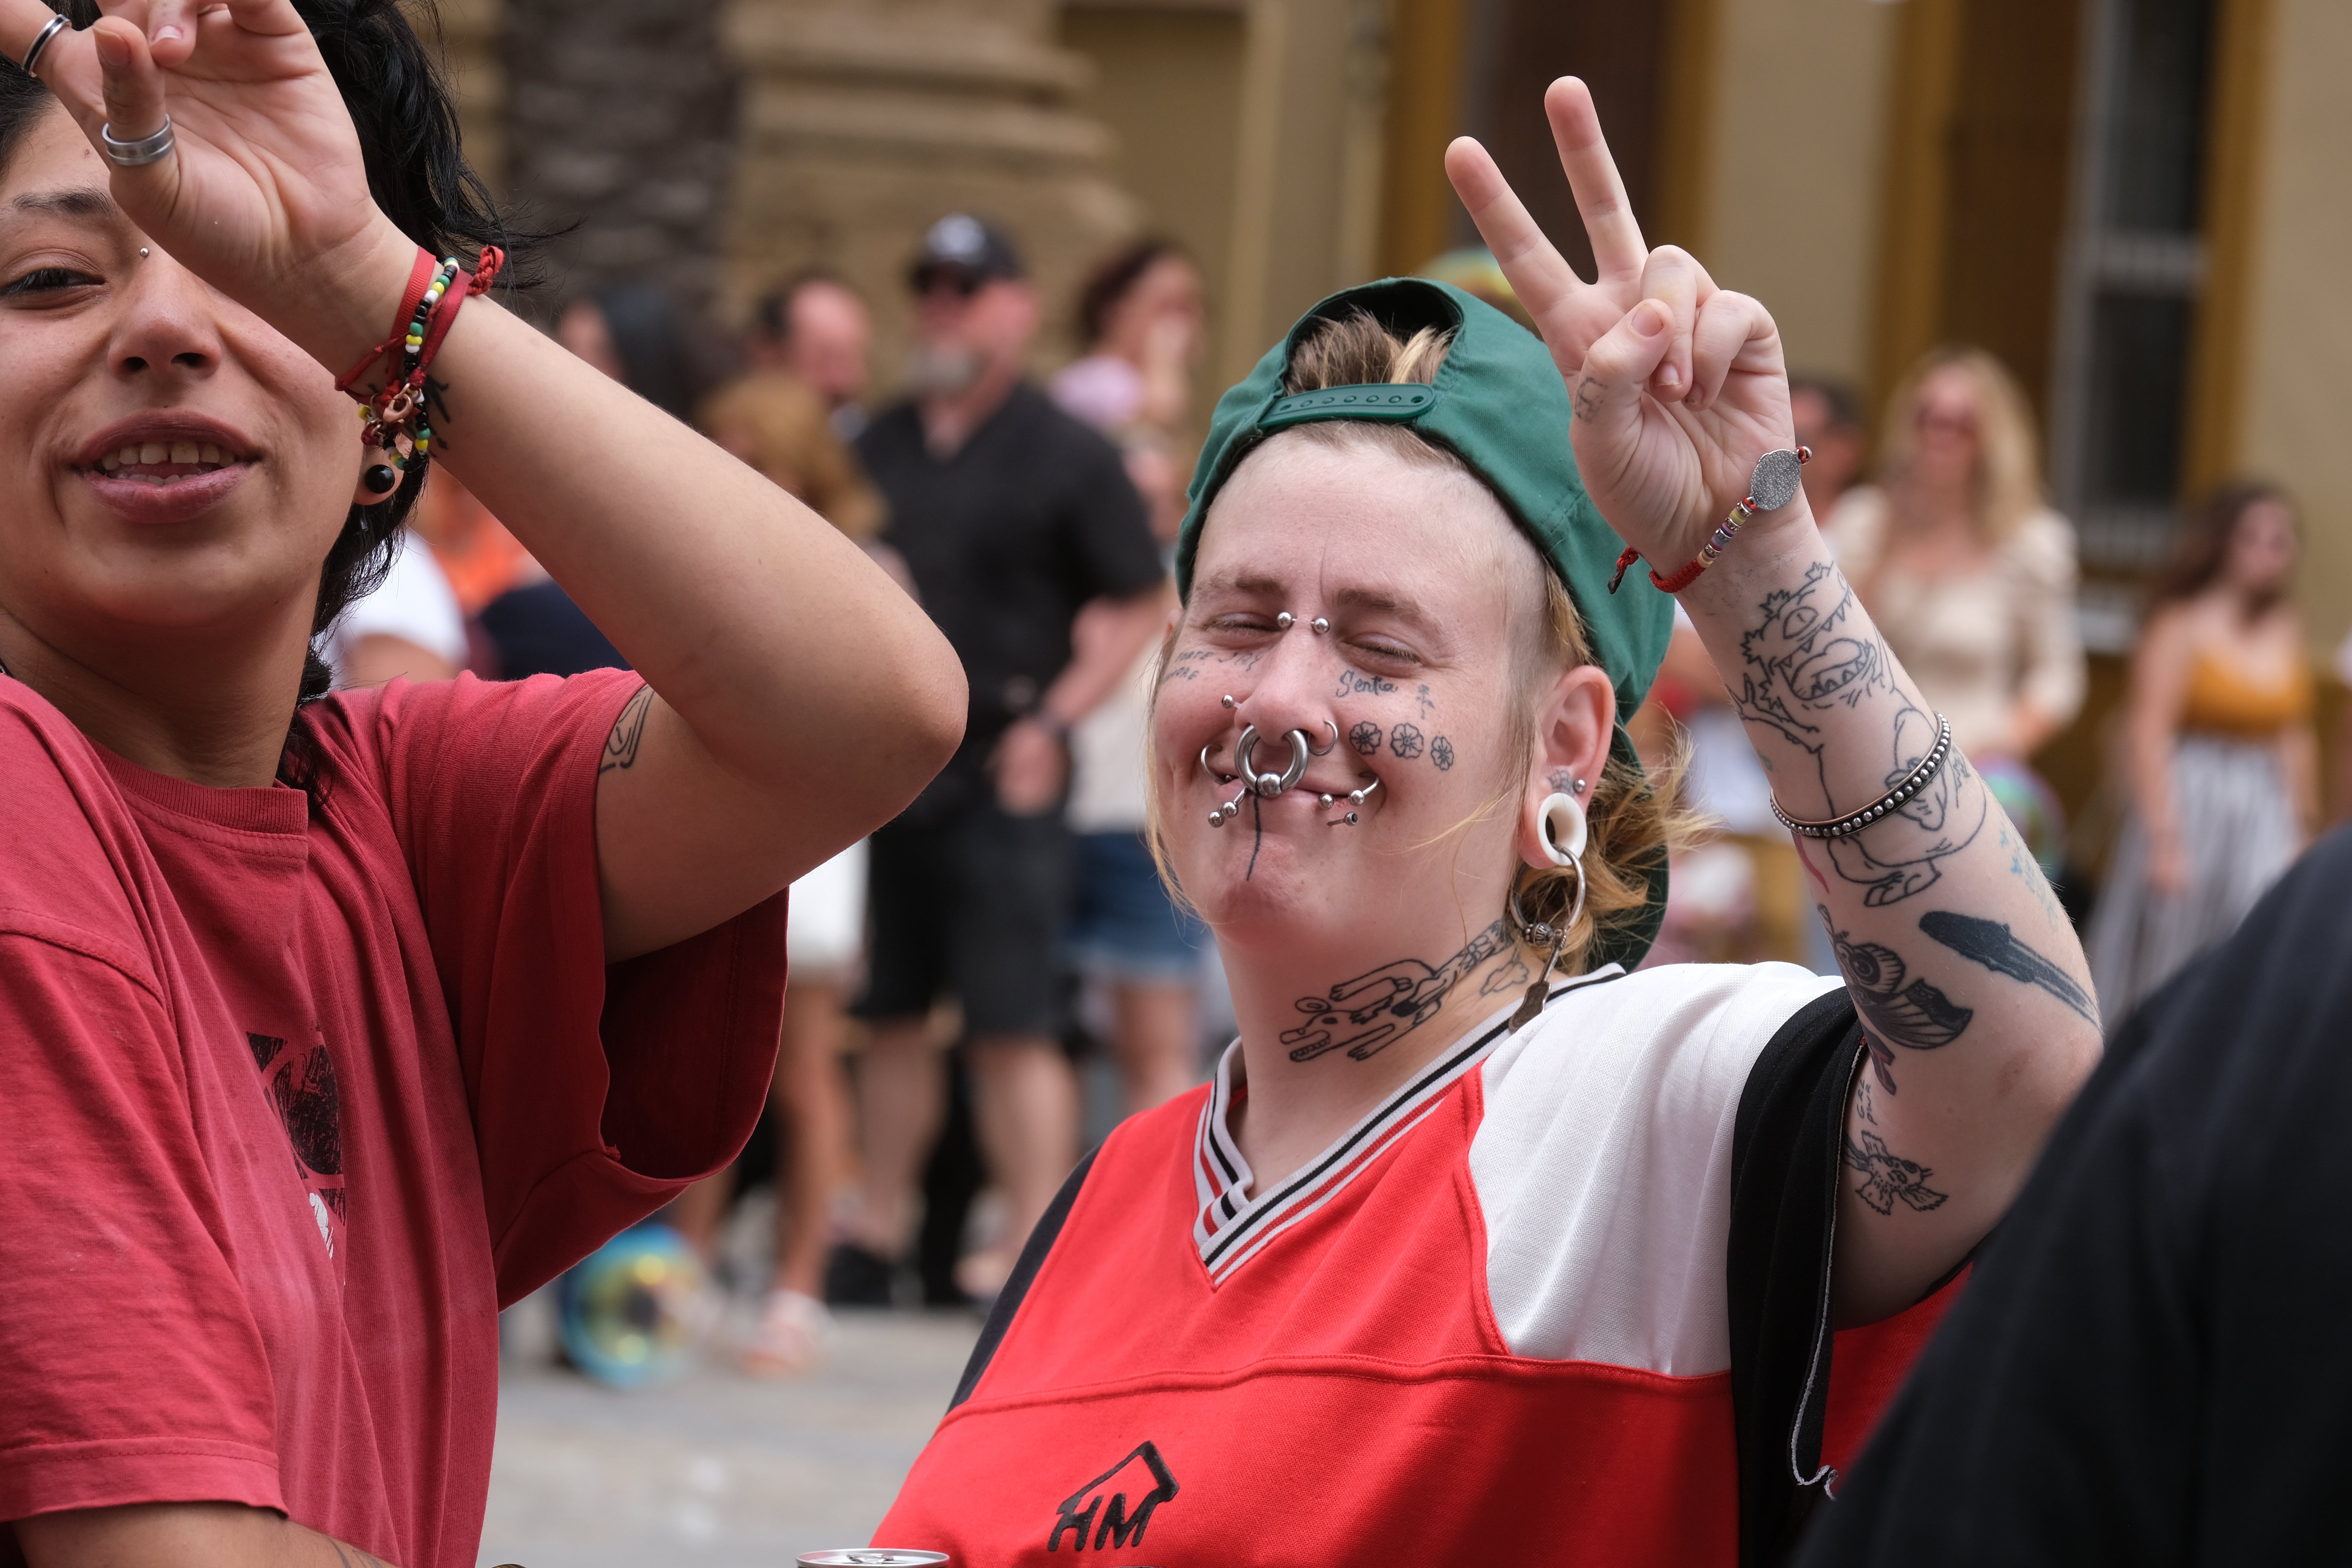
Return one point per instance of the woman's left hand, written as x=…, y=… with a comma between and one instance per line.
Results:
x=264, y=194
x=1678, y=385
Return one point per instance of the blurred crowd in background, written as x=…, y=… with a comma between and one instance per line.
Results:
x=983, y=989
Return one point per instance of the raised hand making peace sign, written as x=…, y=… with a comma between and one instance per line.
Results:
x=263, y=192
x=1679, y=385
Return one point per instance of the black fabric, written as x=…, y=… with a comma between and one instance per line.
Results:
x=969, y=905
x=1785, y=1149
x=538, y=630
x=1024, y=1273
x=2151, y=1363
x=1030, y=519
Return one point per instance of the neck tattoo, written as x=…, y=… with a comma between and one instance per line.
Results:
x=1372, y=1012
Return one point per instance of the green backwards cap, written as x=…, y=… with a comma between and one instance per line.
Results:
x=1500, y=405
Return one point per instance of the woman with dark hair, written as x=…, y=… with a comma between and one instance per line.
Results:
x=1140, y=316
x=2223, y=767
x=329, y=1023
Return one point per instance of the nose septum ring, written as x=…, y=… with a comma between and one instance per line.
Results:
x=1264, y=785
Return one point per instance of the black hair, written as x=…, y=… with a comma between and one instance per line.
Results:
x=1844, y=402
x=1109, y=283
x=651, y=341
x=399, y=103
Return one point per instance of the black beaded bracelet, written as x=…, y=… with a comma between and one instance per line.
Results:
x=1894, y=800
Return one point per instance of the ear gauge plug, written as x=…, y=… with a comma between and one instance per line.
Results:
x=380, y=480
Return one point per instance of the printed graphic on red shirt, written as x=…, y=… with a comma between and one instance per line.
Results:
x=301, y=1084
x=1143, y=1476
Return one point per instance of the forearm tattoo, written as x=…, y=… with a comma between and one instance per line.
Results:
x=628, y=732
x=1811, y=652
x=1365, y=1015
x=1887, y=1176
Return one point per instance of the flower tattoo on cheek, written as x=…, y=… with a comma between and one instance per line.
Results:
x=1441, y=753
x=1406, y=742
x=1366, y=738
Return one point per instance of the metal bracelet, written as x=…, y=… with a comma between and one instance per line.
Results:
x=1894, y=800
x=142, y=150
x=41, y=43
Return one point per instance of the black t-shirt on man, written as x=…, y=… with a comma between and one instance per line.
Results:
x=1005, y=539
x=2152, y=1364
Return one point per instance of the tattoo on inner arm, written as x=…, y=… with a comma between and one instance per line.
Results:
x=1916, y=1016
x=1813, y=651
x=1887, y=1176
x=1371, y=1013
x=1989, y=943
x=628, y=732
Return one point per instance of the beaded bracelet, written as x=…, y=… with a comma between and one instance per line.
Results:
x=1894, y=800
x=395, y=418
x=1772, y=485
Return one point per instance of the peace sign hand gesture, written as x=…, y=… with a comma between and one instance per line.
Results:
x=1679, y=385
x=264, y=193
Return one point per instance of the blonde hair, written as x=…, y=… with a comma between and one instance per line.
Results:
x=1632, y=824
x=2009, y=458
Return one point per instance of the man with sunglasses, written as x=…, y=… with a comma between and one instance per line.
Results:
x=1012, y=517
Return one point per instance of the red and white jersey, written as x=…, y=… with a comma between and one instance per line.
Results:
x=1490, y=1319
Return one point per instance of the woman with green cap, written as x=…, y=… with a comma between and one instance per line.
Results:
x=1478, y=1243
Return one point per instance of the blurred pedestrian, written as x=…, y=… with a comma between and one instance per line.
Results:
x=1141, y=316
x=2222, y=763
x=1012, y=517
x=1828, y=415
x=817, y=327
x=772, y=420
x=1971, y=575
x=408, y=626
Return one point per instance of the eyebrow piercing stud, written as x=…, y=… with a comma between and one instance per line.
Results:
x=1283, y=622
x=1318, y=625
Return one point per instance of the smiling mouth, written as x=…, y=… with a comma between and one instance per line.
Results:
x=162, y=463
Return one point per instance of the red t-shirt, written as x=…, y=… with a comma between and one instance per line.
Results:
x=296, y=1096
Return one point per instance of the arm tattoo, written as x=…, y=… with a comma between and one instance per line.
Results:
x=1989, y=943
x=1812, y=651
x=628, y=732
x=1886, y=1176
x=1371, y=1013
x=1917, y=1015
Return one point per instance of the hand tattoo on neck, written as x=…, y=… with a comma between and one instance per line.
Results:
x=1372, y=1012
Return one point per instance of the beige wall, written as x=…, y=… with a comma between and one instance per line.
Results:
x=2294, y=420
x=1794, y=169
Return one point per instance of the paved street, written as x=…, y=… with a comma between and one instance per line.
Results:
x=718, y=1471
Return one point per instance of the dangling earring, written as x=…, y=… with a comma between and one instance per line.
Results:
x=1560, y=823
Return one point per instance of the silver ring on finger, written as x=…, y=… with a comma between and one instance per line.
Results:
x=41, y=43
x=131, y=155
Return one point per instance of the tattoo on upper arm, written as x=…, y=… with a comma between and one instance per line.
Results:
x=1886, y=1176
x=1916, y=1016
x=628, y=732
x=1371, y=1013
x=1990, y=943
x=1882, y=1060
x=1813, y=651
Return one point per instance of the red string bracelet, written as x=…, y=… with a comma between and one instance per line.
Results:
x=1772, y=485
x=419, y=277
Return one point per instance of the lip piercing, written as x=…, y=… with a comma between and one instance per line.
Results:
x=1355, y=796
x=1318, y=625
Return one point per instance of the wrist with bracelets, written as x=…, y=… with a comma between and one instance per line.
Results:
x=1772, y=485
x=1893, y=801
x=395, y=419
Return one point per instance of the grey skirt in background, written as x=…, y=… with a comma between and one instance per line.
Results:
x=2238, y=827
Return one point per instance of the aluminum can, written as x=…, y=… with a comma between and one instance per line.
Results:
x=868, y=1557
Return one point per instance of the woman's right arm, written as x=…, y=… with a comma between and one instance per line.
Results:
x=180, y=1535
x=2159, y=687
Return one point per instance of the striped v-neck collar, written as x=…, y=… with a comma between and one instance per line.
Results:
x=1231, y=1229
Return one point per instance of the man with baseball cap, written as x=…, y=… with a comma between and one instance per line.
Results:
x=1011, y=516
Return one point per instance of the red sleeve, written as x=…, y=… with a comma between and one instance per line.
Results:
x=130, y=1366
x=598, y=1092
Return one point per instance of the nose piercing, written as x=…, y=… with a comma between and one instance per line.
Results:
x=1325, y=749
x=1282, y=622
x=1318, y=625
x=1266, y=786
x=1227, y=699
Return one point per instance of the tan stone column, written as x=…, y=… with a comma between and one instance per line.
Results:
x=864, y=120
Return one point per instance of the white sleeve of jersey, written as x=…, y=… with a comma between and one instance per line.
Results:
x=1602, y=1163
